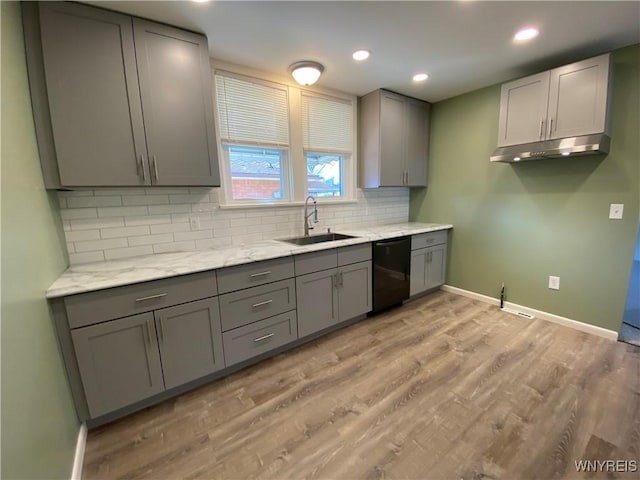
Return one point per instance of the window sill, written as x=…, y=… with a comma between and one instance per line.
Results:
x=235, y=206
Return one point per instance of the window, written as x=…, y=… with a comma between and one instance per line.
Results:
x=262, y=162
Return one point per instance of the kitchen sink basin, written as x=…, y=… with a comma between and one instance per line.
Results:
x=325, y=237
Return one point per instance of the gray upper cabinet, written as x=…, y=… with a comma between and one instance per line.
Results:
x=394, y=140
x=190, y=340
x=119, y=362
x=567, y=101
x=92, y=85
x=177, y=102
x=118, y=101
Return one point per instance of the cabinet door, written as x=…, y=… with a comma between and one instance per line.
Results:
x=392, y=140
x=354, y=290
x=578, y=98
x=190, y=340
x=175, y=86
x=119, y=362
x=418, y=277
x=317, y=301
x=436, y=266
x=523, y=110
x=417, y=142
x=94, y=100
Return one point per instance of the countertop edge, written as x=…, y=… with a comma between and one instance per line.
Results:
x=235, y=256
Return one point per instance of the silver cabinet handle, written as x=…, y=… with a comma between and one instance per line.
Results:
x=148, y=332
x=334, y=280
x=550, y=126
x=260, y=304
x=541, y=128
x=144, y=173
x=151, y=297
x=340, y=279
x=263, y=338
x=155, y=167
x=254, y=275
x=162, y=329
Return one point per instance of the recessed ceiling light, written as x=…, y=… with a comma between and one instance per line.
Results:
x=526, y=34
x=360, y=55
x=566, y=154
x=420, y=77
x=516, y=159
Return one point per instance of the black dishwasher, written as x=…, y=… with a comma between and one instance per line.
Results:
x=391, y=264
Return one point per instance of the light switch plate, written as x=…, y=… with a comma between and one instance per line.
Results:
x=615, y=211
x=554, y=283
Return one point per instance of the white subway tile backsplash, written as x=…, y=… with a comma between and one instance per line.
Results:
x=77, y=213
x=150, y=239
x=196, y=235
x=95, y=245
x=164, y=209
x=131, y=200
x=170, y=227
x=140, y=221
x=124, y=231
x=80, y=235
x=86, y=257
x=122, y=211
x=96, y=223
x=146, y=220
x=102, y=201
x=175, y=247
x=127, y=252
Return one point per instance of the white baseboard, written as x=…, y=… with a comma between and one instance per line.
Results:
x=76, y=473
x=550, y=317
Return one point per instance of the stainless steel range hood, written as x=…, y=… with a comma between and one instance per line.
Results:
x=560, y=148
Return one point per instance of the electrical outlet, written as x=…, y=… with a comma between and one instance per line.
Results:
x=194, y=222
x=554, y=283
x=615, y=211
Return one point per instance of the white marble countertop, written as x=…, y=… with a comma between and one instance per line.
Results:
x=114, y=273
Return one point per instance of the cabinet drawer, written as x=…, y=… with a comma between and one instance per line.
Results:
x=316, y=261
x=354, y=254
x=95, y=307
x=260, y=337
x=253, y=304
x=253, y=274
x=427, y=239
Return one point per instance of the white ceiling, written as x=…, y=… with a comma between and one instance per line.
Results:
x=462, y=45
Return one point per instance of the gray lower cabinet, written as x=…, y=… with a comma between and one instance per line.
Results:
x=190, y=340
x=119, y=362
x=260, y=337
x=333, y=295
x=428, y=268
x=117, y=100
x=317, y=299
x=127, y=360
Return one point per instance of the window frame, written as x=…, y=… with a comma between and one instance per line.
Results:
x=295, y=173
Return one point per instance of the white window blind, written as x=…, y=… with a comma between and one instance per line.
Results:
x=252, y=112
x=327, y=124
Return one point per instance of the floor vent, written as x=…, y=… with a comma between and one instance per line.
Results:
x=520, y=314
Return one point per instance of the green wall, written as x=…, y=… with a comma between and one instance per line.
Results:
x=520, y=223
x=39, y=424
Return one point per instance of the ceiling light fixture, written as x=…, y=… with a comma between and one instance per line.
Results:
x=420, y=77
x=306, y=72
x=525, y=34
x=566, y=154
x=200, y=1
x=360, y=55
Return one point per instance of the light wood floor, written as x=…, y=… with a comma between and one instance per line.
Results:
x=443, y=387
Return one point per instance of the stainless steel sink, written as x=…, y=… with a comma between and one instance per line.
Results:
x=325, y=237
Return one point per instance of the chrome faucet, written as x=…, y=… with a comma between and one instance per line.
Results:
x=308, y=227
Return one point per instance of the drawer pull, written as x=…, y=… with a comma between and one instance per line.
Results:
x=263, y=338
x=151, y=297
x=254, y=275
x=259, y=304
